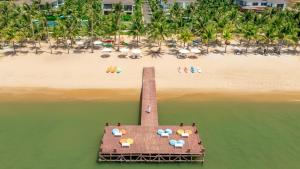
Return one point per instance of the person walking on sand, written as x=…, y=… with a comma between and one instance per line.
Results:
x=186, y=70
x=179, y=69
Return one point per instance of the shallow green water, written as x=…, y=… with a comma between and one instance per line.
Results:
x=66, y=135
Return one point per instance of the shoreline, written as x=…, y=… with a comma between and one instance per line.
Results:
x=53, y=94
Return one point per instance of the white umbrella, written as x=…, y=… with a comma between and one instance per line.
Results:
x=136, y=51
x=124, y=50
x=8, y=49
x=79, y=43
x=106, y=50
x=97, y=42
x=184, y=51
x=195, y=50
x=68, y=41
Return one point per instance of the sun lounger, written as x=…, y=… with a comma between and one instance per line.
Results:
x=125, y=145
x=164, y=134
x=185, y=135
x=178, y=145
x=118, y=134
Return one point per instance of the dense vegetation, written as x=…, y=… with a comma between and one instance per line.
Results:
x=211, y=21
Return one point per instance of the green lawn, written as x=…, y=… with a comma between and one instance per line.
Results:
x=66, y=135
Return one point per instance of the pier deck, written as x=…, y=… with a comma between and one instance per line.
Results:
x=148, y=146
x=149, y=99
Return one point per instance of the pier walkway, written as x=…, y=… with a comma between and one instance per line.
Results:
x=147, y=145
x=149, y=116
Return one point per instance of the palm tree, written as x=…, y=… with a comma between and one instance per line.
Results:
x=69, y=22
x=249, y=31
x=158, y=29
x=270, y=35
x=185, y=35
x=137, y=28
x=94, y=14
x=32, y=12
x=117, y=15
x=209, y=34
x=227, y=36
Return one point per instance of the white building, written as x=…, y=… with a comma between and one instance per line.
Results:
x=128, y=5
x=182, y=3
x=261, y=4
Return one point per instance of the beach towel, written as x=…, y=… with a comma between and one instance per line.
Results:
x=119, y=70
x=113, y=69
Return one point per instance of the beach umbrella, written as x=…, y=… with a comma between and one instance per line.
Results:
x=160, y=131
x=106, y=50
x=115, y=131
x=8, y=49
x=180, y=131
x=123, y=131
x=195, y=50
x=181, y=141
x=123, y=140
x=184, y=51
x=136, y=51
x=130, y=141
x=172, y=142
x=68, y=41
x=124, y=50
x=169, y=131
x=79, y=43
x=188, y=131
x=97, y=43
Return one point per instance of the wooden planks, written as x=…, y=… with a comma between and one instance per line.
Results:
x=147, y=141
x=149, y=98
x=148, y=146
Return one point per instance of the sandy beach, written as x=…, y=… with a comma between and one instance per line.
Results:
x=84, y=70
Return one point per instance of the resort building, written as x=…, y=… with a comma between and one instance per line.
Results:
x=183, y=3
x=260, y=5
x=54, y=3
x=128, y=5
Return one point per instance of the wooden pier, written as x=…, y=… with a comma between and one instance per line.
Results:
x=148, y=146
x=149, y=99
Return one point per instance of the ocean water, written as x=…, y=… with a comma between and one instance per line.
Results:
x=66, y=135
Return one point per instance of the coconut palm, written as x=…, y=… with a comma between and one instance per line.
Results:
x=209, y=35
x=227, y=36
x=185, y=35
x=93, y=10
x=32, y=13
x=69, y=22
x=249, y=32
x=117, y=15
x=158, y=29
x=137, y=27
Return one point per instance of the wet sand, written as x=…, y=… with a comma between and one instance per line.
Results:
x=48, y=94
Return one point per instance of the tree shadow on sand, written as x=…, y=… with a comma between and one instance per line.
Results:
x=105, y=56
x=155, y=53
x=217, y=51
x=122, y=56
x=78, y=51
x=57, y=52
